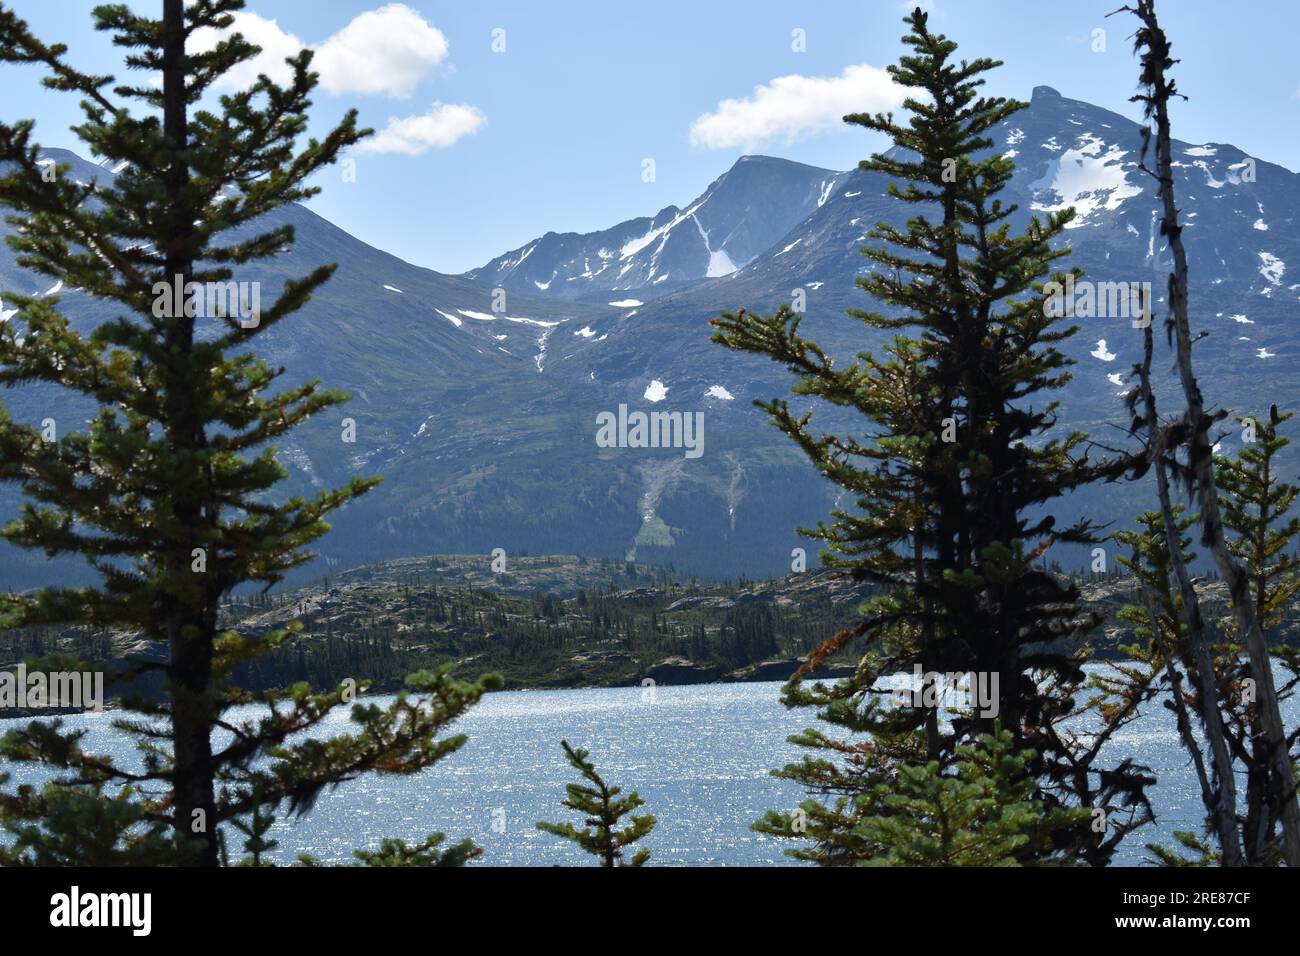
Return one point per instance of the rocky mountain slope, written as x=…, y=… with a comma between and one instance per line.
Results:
x=484, y=423
x=740, y=216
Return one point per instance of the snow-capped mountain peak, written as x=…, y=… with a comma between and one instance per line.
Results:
x=736, y=219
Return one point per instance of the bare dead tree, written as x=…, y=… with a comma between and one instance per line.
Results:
x=1220, y=794
x=1192, y=430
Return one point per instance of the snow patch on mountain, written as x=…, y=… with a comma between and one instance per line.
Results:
x=1102, y=352
x=540, y=357
x=634, y=246
x=1089, y=176
x=1210, y=179
x=720, y=263
x=487, y=317
x=1271, y=268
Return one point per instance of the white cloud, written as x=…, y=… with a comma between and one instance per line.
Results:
x=439, y=128
x=276, y=44
x=389, y=51
x=386, y=51
x=796, y=106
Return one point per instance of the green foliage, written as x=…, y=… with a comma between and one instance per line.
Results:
x=1151, y=565
x=1156, y=620
x=168, y=492
x=1262, y=534
x=60, y=825
x=962, y=459
x=387, y=621
x=400, y=853
x=1256, y=503
x=255, y=829
x=1201, y=853
x=984, y=811
x=604, y=810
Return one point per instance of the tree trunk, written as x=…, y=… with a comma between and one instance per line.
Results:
x=1223, y=805
x=933, y=744
x=189, y=628
x=1200, y=457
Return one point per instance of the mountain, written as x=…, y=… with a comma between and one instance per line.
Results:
x=485, y=424
x=742, y=213
x=1242, y=235
x=407, y=342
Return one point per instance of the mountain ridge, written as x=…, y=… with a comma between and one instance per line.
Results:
x=749, y=206
x=483, y=420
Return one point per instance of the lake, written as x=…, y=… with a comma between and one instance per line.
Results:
x=698, y=755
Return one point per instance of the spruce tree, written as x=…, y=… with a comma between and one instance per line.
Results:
x=168, y=491
x=1163, y=663
x=1163, y=657
x=604, y=810
x=1261, y=534
x=256, y=829
x=983, y=812
x=955, y=478
x=398, y=853
x=1256, y=505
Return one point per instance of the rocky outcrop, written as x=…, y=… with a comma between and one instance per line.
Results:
x=679, y=670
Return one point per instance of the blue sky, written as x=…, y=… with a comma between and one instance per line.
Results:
x=493, y=147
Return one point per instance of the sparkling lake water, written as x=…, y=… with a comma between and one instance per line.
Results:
x=698, y=755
